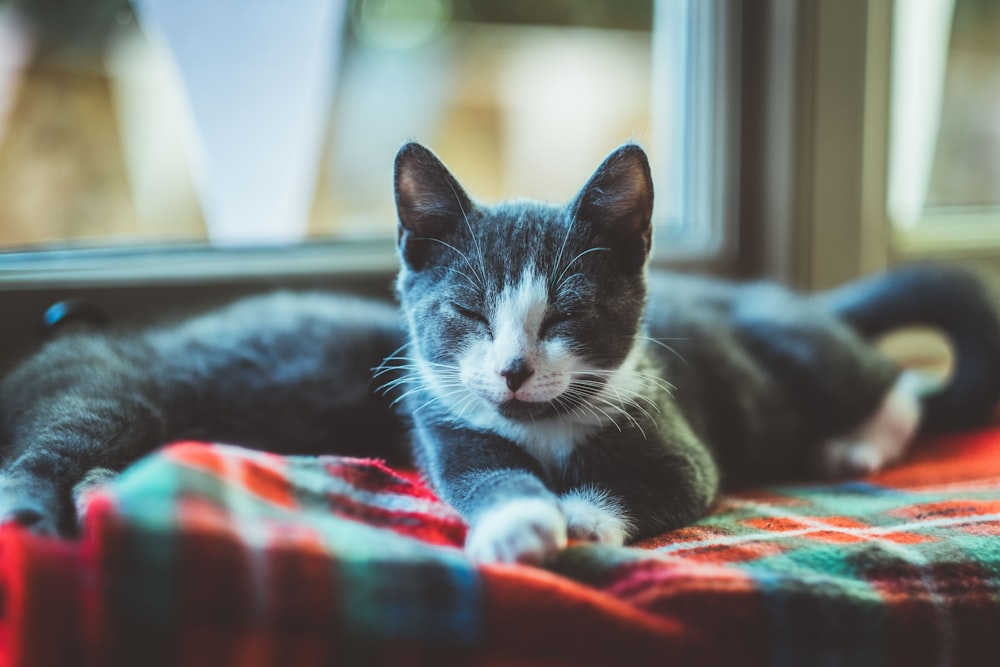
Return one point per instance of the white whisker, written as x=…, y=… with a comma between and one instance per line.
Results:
x=559, y=280
x=584, y=401
x=435, y=398
x=562, y=248
x=643, y=377
x=422, y=387
x=631, y=398
x=475, y=286
x=472, y=234
x=391, y=357
x=482, y=277
x=659, y=341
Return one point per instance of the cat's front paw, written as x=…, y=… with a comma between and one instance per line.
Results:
x=520, y=531
x=593, y=516
x=94, y=479
x=31, y=504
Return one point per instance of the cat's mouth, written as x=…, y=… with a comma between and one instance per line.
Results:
x=582, y=389
x=544, y=402
x=517, y=410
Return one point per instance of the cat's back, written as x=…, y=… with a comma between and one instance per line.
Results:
x=700, y=309
x=284, y=370
x=678, y=297
x=281, y=339
x=693, y=314
x=282, y=324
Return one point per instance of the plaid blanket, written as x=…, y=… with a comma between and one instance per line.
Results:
x=214, y=555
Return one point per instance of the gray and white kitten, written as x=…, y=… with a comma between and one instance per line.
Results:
x=552, y=389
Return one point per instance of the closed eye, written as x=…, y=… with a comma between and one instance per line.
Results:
x=555, y=319
x=470, y=313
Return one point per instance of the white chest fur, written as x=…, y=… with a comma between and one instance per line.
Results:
x=551, y=441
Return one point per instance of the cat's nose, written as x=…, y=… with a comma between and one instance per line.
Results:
x=517, y=373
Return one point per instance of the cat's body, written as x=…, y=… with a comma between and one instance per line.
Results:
x=286, y=372
x=548, y=396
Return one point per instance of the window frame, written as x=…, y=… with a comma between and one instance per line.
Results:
x=180, y=264
x=814, y=197
x=958, y=234
x=816, y=102
x=710, y=121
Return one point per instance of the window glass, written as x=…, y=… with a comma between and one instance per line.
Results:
x=944, y=130
x=231, y=122
x=966, y=166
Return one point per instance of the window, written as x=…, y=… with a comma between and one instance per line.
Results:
x=944, y=176
x=161, y=156
x=193, y=123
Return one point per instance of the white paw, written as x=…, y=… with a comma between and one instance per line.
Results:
x=881, y=440
x=95, y=478
x=844, y=458
x=594, y=516
x=519, y=531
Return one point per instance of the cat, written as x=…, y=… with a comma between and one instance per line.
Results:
x=547, y=384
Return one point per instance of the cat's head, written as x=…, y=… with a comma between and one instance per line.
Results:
x=522, y=310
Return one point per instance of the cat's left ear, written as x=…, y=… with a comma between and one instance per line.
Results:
x=430, y=203
x=617, y=202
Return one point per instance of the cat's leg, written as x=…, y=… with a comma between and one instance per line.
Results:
x=595, y=515
x=512, y=514
x=517, y=530
x=291, y=373
x=850, y=403
x=882, y=439
x=631, y=485
x=618, y=486
x=40, y=503
x=93, y=480
x=82, y=403
x=835, y=376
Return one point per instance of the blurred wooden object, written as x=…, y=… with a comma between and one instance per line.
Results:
x=61, y=169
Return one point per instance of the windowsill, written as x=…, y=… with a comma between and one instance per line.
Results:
x=967, y=233
x=186, y=264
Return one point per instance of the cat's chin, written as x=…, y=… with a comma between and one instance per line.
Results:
x=526, y=411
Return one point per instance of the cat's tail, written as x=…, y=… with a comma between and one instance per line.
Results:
x=955, y=302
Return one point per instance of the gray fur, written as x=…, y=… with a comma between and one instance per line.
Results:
x=675, y=385
x=289, y=372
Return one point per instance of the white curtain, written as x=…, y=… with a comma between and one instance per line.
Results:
x=257, y=77
x=921, y=33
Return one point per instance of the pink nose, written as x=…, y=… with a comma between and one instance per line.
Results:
x=517, y=374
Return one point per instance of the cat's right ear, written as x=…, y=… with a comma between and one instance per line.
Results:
x=430, y=203
x=618, y=203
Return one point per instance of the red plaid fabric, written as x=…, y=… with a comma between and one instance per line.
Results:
x=212, y=555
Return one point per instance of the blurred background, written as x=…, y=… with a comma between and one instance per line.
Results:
x=216, y=121
x=965, y=165
x=269, y=122
x=161, y=154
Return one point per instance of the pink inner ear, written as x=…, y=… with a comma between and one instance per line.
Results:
x=620, y=194
x=428, y=197
x=629, y=200
x=407, y=186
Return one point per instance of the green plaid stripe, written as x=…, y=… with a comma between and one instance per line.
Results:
x=188, y=538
